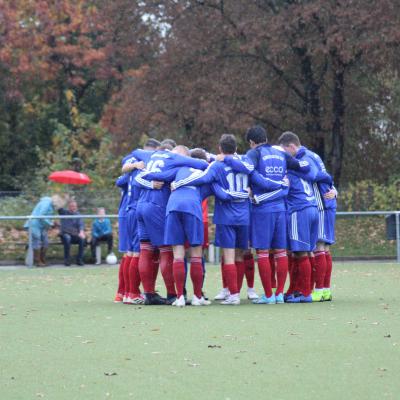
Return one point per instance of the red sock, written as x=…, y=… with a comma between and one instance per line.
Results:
x=178, y=268
x=145, y=266
x=273, y=269
x=231, y=277
x=249, y=269
x=166, y=261
x=224, y=282
x=154, y=267
x=281, y=260
x=197, y=275
x=134, y=277
x=127, y=278
x=320, y=269
x=121, y=281
x=297, y=279
x=313, y=275
x=328, y=272
x=240, y=274
x=264, y=269
x=291, y=264
x=304, y=275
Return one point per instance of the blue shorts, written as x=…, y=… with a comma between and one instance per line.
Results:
x=123, y=236
x=326, y=226
x=181, y=227
x=232, y=236
x=151, y=223
x=303, y=229
x=133, y=234
x=268, y=230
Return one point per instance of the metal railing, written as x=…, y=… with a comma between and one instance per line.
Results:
x=29, y=256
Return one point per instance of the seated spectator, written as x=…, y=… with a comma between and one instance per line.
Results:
x=101, y=232
x=39, y=227
x=72, y=232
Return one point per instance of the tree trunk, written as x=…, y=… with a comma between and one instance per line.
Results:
x=311, y=106
x=338, y=112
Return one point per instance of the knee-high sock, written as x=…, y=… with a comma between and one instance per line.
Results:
x=281, y=261
x=328, y=272
x=197, y=274
x=224, y=281
x=319, y=268
x=291, y=267
x=264, y=269
x=166, y=260
x=240, y=274
x=313, y=274
x=154, y=267
x=249, y=269
x=134, y=277
x=230, y=274
x=126, y=273
x=121, y=281
x=178, y=269
x=305, y=275
x=146, y=267
x=273, y=269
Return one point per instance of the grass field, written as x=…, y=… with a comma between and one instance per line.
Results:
x=61, y=337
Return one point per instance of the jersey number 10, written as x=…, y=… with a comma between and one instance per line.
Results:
x=237, y=182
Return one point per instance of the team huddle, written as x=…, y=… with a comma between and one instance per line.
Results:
x=278, y=200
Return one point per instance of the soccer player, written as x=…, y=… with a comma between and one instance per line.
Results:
x=127, y=224
x=184, y=223
x=269, y=207
x=325, y=195
x=302, y=215
x=232, y=217
x=151, y=211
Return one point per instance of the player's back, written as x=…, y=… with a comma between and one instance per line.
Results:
x=301, y=192
x=321, y=188
x=235, y=212
x=185, y=198
x=271, y=164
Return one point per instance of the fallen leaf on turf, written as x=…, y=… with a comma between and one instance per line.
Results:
x=193, y=365
x=374, y=323
x=213, y=346
x=39, y=394
x=382, y=369
x=87, y=341
x=110, y=373
x=155, y=329
x=388, y=336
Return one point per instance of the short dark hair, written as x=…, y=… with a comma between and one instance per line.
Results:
x=257, y=134
x=198, y=153
x=289, y=138
x=152, y=143
x=168, y=144
x=228, y=143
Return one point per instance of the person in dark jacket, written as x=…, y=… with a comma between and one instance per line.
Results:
x=72, y=232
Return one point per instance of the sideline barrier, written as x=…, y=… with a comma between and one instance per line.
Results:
x=214, y=252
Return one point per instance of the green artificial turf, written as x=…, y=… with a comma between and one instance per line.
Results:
x=61, y=337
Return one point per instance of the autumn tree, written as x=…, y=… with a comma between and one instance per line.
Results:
x=289, y=65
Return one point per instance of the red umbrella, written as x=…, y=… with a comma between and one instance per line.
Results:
x=71, y=177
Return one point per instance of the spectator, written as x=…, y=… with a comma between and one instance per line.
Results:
x=72, y=232
x=40, y=227
x=101, y=232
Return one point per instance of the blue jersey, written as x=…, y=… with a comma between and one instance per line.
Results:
x=232, y=177
x=270, y=163
x=165, y=163
x=122, y=183
x=188, y=198
x=301, y=193
x=321, y=187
